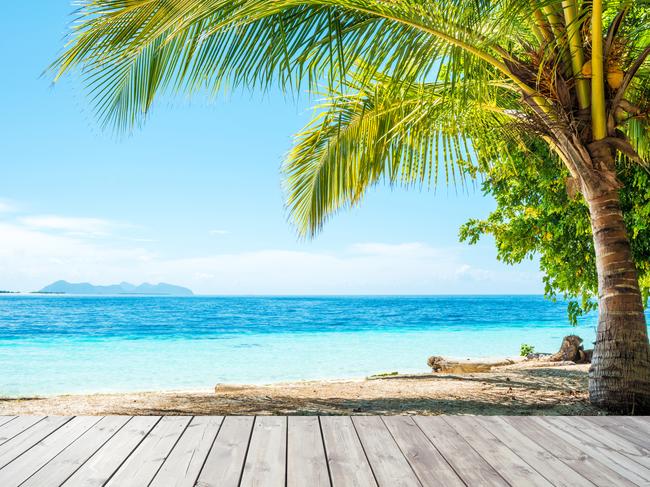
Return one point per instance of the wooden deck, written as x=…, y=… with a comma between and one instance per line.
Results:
x=312, y=451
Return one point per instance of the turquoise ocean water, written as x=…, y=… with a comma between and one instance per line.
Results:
x=74, y=344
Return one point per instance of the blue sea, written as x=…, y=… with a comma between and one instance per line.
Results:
x=82, y=344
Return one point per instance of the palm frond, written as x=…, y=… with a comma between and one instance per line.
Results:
x=132, y=49
x=405, y=135
x=409, y=84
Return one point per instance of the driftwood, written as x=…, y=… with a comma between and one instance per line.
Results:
x=572, y=350
x=441, y=364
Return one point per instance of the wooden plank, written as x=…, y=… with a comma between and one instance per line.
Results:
x=6, y=419
x=99, y=468
x=553, y=469
x=575, y=451
x=622, y=428
x=141, y=466
x=386, y=459
x=42, y=452
x=642, y=422
x=427, y=462
x=183, y=464
x=637, y=453
x=23, y=441
x=509, y=465
x=57, y=470
x=223, y=467
x=347, y=460
x=306, y=460
x=266, y=460
x=17, y=426
x=591, y=469
x=469, y=465
x=605, y=454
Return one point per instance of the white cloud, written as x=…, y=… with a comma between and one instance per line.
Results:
x=404, y=250
x=81, y=227
x=477, y=274
x=6, y=207
x=77, y=226
x=38, y=249
x=31, y=256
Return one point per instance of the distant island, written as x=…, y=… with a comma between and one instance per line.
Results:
x=64, y=287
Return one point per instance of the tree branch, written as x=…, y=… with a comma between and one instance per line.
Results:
x=613, y=30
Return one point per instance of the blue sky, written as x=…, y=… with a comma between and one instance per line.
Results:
x=195, y=197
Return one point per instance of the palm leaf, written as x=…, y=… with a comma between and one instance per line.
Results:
x=400, y=134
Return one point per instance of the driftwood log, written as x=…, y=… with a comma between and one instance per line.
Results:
x=444, y=365
x=572, y=350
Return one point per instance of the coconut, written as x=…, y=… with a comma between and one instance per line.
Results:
x=615, y=77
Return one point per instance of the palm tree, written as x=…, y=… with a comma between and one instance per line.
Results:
x=408, y=85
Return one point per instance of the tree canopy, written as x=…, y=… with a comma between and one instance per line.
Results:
x=537, y=214
x=406, y=85
x=410, y=91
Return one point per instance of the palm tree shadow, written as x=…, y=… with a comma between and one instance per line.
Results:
x=338, y=406
x=547, y=378
x=503, y=402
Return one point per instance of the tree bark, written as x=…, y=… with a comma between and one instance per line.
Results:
x=619, y=377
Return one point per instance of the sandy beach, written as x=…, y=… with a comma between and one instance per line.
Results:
x=523, y=388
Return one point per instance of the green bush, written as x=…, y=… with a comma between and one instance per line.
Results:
x=526, y=349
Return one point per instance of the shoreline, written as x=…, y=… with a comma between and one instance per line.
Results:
x=189, y=390
x=207, y=388
x=515, y=389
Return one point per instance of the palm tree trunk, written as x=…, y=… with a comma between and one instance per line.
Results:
x=619, y=377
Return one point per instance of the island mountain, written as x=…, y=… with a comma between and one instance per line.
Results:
x=64, y=287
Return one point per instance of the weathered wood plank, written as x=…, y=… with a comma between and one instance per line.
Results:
x=386, y=459
x=642, y=422
x=99, y=468
x=612, y=440
x=17, y=426
x=509, y=465
x=183, y=464
x=306, y=460
x=224, y=464
x=591, y=469
x=553, y=469
x=348, y=464
x=6, y=419
x=622, y=428
x=141, y=466
x=57, y=470
x=605, y=454
x=427, y=462
x=42, y=452
x=267, y=453
x=359, y=451
x=469, y=465
x=29, y=437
